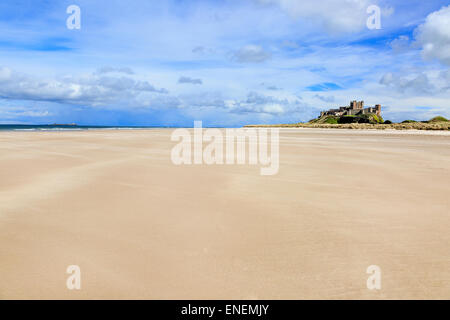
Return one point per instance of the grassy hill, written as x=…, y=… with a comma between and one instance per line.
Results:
x=369, y=121
x=438, y=119
x=371, y=118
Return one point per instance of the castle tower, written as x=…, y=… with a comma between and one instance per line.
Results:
x=356, y=105
x=378, y=109
x=359, y=105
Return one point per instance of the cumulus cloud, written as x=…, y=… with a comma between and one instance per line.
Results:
x=125, y=92
x=124, y=70
x=259, y=103
x=434, y=36
x=89, y=90
x=400, y=44
x=189, y=80
x=254, y=103
x=251, y=54
x=202, y=100
x=418, y=83
x=199, y=50
x=11, y=113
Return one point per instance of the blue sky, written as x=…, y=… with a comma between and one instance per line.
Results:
x=227, y=63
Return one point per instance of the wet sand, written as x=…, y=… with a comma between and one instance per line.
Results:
x=140, y=227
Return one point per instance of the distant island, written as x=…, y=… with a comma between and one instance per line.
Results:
x=355, y=116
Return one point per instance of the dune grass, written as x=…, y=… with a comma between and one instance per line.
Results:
x=436, y=123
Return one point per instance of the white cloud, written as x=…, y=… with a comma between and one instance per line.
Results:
x=434, y=36
x=253, y=103
x=117, y=91
x=334, y=15
x=251, y=53
x=92, y=90
x=124, y=70
x=14, y=112
x=422, y=83
x=401, y=44
x=259, y=103
x=184, y=79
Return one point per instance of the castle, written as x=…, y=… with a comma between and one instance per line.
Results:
x=355, y=108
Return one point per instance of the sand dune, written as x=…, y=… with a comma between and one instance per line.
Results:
x=138, y=226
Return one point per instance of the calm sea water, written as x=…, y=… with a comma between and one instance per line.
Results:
x=20, y=127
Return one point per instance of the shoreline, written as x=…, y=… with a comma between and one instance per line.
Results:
x=328, y=130
x=437, y=126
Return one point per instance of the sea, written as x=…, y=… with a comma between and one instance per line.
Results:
x=64, y=127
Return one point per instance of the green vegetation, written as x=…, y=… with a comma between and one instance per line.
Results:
x=331, y=120
x=442, y=125
x=326, y=119
x=366, y=121
x=371, y=118
x=378, y=119
x=364, y=118
x=438, y=119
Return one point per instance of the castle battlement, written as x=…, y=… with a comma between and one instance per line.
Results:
x=355, y=108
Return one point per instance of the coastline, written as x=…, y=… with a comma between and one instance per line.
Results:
x=443, y=126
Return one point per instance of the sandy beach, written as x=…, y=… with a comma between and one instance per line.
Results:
x=140, y=227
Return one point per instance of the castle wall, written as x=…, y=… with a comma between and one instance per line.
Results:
x=355, y=108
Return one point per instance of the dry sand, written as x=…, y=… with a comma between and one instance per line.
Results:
x=113, y=203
